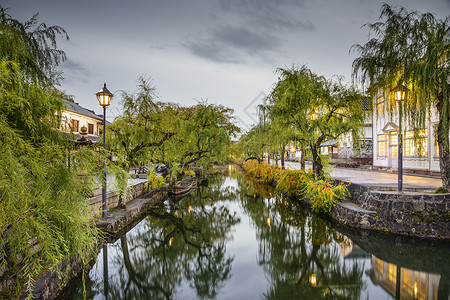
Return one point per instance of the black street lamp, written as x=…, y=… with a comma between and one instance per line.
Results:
x=104, y=96
x=399, y=95
x=313, y=116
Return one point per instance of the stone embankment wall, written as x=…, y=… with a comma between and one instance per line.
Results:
x=112, y=198
x=422, y=215
x=49, y=285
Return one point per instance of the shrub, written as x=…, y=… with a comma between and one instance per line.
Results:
x=322, y=195
x=262, y=171
x=154, y=181
x=441, y=190
x=189, y=173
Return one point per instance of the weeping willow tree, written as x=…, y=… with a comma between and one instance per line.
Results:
x=44, y=217
x=315, y=109
x=411, y=49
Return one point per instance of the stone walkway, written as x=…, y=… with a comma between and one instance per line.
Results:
x=381, y=179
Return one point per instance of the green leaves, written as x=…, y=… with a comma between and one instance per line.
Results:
x=299, y=95
x=412, y=49
x=44, y=216
x=167, y=133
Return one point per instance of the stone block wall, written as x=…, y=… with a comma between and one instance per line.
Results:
x=423, y=215
x=112, y=198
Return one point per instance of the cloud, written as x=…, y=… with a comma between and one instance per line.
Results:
x=75, y=71
x=232, y=44
x=213, y=51
x=269, y=14
x=257, y=31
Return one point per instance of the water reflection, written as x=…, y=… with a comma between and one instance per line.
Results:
x=297, y=252
x=235, y=239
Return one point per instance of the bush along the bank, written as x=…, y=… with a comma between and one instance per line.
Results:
x=300, y=184
x=262, y=171
x=154, y=181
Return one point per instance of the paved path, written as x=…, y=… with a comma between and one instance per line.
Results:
x=381, y=179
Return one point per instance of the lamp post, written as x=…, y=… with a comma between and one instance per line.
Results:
x=399, y=95
x=104, y=96
x=313, y=116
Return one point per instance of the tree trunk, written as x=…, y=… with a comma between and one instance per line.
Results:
x=282, y=157
x=317, y=161
x=443, y=130
x=444, y=154
x=302, y=159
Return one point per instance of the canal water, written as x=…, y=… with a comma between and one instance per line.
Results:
x=234, y=239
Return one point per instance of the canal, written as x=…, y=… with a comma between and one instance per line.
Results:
x=234, y=239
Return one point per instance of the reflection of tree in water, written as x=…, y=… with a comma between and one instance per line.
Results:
x=297, y=251
x=187, y=244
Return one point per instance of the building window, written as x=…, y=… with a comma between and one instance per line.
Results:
x=392, y=273
x=393, y=144
x=380, y=106
x=379, y=265
x=75, y=125
x=90, y=128
x=415, y=144
x=381, y=143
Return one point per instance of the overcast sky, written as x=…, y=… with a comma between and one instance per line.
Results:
x=223, y=51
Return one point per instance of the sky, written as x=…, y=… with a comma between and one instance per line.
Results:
x=222, y=51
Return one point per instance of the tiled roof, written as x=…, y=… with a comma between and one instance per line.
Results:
x=75, y=107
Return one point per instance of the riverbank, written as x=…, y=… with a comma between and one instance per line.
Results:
x=374, y=204
x=137, y=206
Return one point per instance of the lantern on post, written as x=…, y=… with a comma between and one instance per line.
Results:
x=399, y=96
x=104, y=97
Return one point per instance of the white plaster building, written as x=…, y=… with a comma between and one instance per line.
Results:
x=74, y=117
x=420, y=155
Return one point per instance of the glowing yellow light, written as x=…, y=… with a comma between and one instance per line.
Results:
x=170, y=241
x=313, y=279
x=268, y=221
x=292, y=149
x=104, y=96
x=190, y=209
x=415, y=289
x=314, y=116
x=399, y=95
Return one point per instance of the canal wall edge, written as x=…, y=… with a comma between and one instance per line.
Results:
x=418, y=215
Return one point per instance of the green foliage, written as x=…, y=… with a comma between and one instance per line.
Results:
x=441, y=190
x=300, y=93
x=293, y=182
x=121, y=177
x=262, y=171
x=167, y=133
x=322, y=195
x=43, y=183
x=190, y=173
x=411, y=49
x=154, y=181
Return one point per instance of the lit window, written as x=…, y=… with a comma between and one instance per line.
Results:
x=380, y=106
x=392, y=273
x=379, y=265
x=416, y=144
x=381, y=143
x=393, y=142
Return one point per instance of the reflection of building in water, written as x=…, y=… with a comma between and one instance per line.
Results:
x=349, y=249
x=413, y=284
